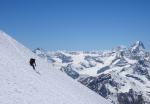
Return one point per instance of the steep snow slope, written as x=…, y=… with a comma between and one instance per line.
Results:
x=20, y=84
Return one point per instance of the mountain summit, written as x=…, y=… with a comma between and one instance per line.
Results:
x=138, y=46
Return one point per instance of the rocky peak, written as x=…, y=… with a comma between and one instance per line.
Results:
x=137, y=46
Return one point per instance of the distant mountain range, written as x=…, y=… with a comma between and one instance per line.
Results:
x=121, y=75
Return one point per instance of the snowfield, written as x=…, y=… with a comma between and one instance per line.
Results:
x=20, y=84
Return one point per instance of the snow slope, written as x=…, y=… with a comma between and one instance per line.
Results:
x=20, y=84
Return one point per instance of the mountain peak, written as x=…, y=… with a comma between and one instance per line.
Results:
x=137, y=46
x=140, y=43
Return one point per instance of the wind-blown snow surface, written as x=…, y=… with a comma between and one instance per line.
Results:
x=20, y=84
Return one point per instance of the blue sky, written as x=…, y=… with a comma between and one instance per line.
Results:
x=76, y=24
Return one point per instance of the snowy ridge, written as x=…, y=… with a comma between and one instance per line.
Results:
x=20, y=84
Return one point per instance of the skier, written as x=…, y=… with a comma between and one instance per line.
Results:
x=32, y=63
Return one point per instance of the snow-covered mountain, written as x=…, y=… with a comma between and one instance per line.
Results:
x=121, y=75
x=20, y=84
